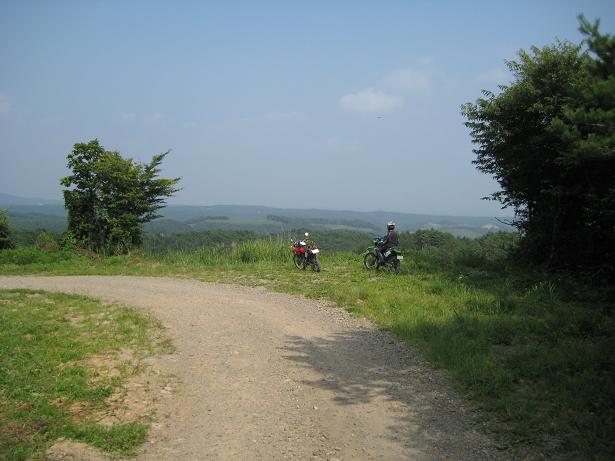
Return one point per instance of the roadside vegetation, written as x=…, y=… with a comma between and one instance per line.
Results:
x=62, y=360
x=5, y=231
x=532, y=350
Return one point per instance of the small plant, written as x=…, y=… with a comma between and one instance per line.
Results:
x=68, y=241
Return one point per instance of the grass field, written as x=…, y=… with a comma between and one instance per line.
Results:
x=61, y=359
x=534, y=353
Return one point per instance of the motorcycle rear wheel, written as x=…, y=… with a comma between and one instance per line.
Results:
x=370, y=261
x=298, y=260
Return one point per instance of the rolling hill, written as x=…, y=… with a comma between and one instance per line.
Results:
x=34, y=213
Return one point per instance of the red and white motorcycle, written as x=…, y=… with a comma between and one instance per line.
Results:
x=305, y=253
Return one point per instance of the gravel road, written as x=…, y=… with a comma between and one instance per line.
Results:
x=268, y=376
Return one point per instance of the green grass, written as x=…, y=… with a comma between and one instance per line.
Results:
x=46, y=340
x=534, y=353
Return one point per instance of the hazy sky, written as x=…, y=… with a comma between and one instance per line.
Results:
x=313, y=104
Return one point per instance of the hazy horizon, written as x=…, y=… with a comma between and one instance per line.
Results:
x=331, y=105
x=211, y=205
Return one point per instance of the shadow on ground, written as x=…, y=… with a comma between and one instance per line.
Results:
x=369, y=366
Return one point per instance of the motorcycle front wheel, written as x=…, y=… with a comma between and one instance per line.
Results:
x=316, y=265
x=298, y=260
x=395, y=266
x=370, y=261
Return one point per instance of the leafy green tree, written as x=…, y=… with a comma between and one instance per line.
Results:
x=549, y=140
x=110, y=197
x=5, y=231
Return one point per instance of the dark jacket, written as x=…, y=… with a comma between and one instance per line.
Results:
x=391, y=240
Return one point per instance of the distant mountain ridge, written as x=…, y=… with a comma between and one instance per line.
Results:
x=33, y=213
x=7, y=200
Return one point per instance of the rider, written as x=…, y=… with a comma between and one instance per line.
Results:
x=391, y=240
x=307, y=242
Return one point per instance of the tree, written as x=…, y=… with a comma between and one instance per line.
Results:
x=549, y=140
x=5, y=231
x=110, y=197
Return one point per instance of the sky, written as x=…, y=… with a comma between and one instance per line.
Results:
x=350, y=105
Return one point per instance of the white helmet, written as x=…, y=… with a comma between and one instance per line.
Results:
x=390, y=225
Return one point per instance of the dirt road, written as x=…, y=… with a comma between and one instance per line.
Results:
x=267, y=376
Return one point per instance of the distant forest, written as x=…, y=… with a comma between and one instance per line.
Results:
x=261, y=220
x=328, y=240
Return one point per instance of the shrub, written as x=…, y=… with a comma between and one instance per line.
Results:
x=46, y=241
x=5, y=231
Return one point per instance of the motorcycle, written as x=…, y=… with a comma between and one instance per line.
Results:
x=391, y=258
x=305, y=253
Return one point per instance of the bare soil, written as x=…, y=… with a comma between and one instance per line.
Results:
x=268, y=376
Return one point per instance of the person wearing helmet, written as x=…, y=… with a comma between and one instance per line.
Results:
x=306, y=241
x=391, y=240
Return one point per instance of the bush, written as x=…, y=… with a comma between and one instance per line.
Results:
x=499, y=245
x=5, y=231
x=442, y=251
x=46, y=241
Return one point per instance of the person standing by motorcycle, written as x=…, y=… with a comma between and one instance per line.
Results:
x=391, y=240
x=307, y=242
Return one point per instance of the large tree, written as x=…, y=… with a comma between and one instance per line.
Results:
x=110, y=197
x=549, y=140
